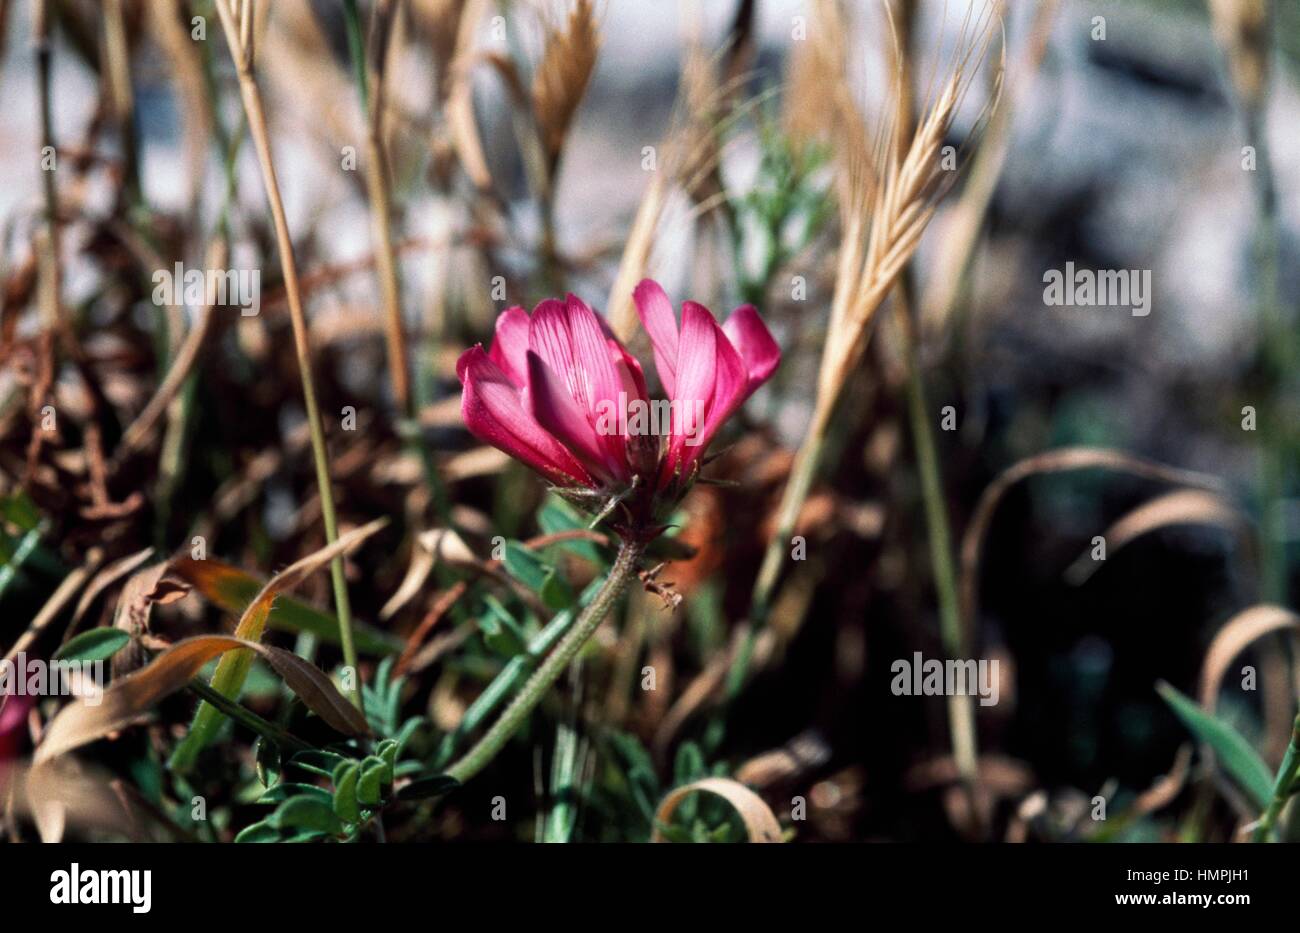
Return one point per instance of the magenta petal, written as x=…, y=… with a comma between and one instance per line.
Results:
x=697, y=373
x=554, y=408
x=626, y=365
x=548, y=336
x=494, y=413
x=510, y=346
x=730, y=388
x=660, y=322
x=591, y=350
x=13, y=726
x=753, y=341
x=629, y=372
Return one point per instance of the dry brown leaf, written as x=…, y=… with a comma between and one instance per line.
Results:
x=438, y=544
x=103, y=580
x=80, y=723
x=1236, y=635
x=1180, y=507
x=760, y=822
x=57, y=794
x=460, y=100
x=134, y=607
x=1061, y=460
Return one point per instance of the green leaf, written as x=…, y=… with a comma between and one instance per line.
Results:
x=502, y=633
x=306, y=813
x=556, y=592
x=370, y=786
x=427, y=787
x=676, y=833
x=266, y=760
x=318, y=761
x=557, y=515
x=689, y=764
x=1241, y=761
x=97, y=644
x=259, y=832
x=282, y=792
x=522, y=563
x=387, y=750
x=345, y=792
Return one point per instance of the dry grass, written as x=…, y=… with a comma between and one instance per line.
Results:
x=561, y=78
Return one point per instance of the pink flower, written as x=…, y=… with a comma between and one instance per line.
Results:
x=13, y=729
x=559, y=392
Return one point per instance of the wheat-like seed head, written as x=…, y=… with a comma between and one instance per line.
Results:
x=562, y=76
x=889, y=197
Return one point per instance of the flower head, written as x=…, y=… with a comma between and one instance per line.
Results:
x=559, y=392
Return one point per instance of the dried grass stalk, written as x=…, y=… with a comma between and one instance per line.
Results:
x=1243, y=29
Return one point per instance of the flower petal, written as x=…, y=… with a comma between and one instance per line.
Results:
x=626, y=365
x=660, y=322
x=570, y=341
x=730, y=385
x=510, y=346
x=549, y=338
x=556, y=410
x=494, y=412
x=753, y=341
x=697, y=373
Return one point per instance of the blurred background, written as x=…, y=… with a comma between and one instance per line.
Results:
x=1151, y=145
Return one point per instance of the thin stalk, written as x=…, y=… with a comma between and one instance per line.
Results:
x=368, y=72
x=1282, y=787
x=625, y=564
x=51, y=305
x=369, y=69
x=257, y=126
x=961, y=712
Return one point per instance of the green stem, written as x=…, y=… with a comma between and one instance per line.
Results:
x=629, y=553
x=247, y=718
x=518, y=668
x=961, y=713
x=1286, y=777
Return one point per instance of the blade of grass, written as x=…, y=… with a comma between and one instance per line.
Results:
x=257, y=125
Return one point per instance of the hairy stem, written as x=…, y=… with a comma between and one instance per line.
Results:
x=629, y=553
